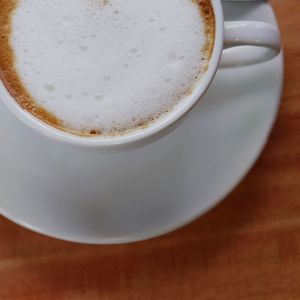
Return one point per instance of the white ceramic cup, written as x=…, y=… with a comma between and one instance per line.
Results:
x=228, y=34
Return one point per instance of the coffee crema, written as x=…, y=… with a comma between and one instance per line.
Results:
x=93, y=67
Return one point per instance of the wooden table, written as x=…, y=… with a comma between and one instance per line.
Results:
x=224, y=255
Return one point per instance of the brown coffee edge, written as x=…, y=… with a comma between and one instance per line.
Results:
x=13, y=83
x=207, y=11
x=15, y=86
x=8, y=73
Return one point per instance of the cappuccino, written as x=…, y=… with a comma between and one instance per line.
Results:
x=93, y=67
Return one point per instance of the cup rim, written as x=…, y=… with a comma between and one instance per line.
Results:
x=136, y=135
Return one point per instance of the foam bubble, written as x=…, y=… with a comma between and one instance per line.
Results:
x=134, y=50
x=108, y=67
x=84, y=47
x=98, y=97
x=49, y=86
x=106, y=78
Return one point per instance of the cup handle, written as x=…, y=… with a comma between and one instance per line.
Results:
x=250, y=33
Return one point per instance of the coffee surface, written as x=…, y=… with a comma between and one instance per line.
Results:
x=103, y=67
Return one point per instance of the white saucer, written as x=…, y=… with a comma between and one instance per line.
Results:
x=114, y=198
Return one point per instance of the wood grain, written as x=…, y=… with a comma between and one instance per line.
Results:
x=248, y=248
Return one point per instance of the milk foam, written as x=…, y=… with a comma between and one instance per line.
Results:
x=108, y=67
